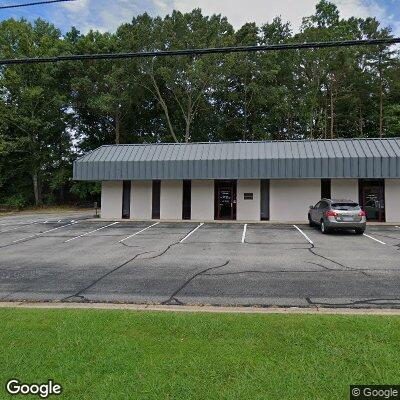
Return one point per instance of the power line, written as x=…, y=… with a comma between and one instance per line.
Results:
x=194, y=52
x=33, y=4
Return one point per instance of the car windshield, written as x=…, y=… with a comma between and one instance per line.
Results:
x=346, y=206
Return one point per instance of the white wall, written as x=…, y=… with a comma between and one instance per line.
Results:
x=290, y=199
x=141, y=199
x=202, y=200
x=171, y=199
x=392, y=200
x=248, y=210
x=346, y=189
x=111, y=199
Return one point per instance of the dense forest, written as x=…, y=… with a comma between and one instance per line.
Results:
x=52, y=113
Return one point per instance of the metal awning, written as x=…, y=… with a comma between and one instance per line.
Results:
x=294, y=159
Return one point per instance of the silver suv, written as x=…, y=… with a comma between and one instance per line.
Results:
x=331, y=214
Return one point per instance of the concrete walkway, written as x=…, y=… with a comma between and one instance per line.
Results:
x=206, y=309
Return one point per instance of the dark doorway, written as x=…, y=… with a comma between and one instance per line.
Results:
x=155, y=214
x=126, y=200
x=326, y=189
x=225, y=200
x=372, y=198
x=187, y=200
x=264, y=206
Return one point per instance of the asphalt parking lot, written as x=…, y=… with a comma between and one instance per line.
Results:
x=70, y=258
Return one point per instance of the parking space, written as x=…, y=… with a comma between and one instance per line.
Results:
x=75, y=259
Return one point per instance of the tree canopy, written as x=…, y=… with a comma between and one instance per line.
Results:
x=52, y=113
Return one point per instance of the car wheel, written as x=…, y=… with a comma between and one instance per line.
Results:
x=310, y=222
x=324, y=229
x=360, y=231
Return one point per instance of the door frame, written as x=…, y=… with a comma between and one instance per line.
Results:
x=362, y=184
x=218, y=185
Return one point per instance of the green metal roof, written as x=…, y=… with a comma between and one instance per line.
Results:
x=338, y=158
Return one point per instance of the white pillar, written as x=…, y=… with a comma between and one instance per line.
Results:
x=290, y=198
x=141, y=199
x=202, y=207
x=171, y=199
x=248, y=209
x=111, y=199
x=392, y=200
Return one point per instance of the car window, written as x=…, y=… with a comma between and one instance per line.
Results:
x=346, y=206
x=317, y=205
x=323, y=205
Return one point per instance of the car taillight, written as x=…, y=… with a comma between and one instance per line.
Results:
x=361, y=214
x=331, y=214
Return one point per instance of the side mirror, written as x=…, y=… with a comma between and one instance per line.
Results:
x=311, y=207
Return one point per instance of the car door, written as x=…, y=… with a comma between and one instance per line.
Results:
x=323, y=206
x=314, y=212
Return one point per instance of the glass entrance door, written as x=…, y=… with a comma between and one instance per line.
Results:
x=225, y=200
x=372, y=199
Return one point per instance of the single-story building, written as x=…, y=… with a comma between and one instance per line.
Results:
x=249, y=181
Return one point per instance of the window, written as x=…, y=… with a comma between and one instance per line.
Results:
x=323, y=205
x=346, y=206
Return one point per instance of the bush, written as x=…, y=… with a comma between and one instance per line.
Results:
x=16, y=201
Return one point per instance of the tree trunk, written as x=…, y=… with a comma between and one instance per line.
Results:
x=187, y=130
x=380, y=94
x=381, y=110
x=36, y=189
x=332, y=106
x=244, y=135
x=117, y=127
x=326, y=119
x=312, y=125
x=164, y=107
x=188, y=120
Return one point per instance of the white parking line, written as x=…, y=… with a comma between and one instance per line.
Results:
x=191, y=232
x=42, y=233
x=88, y=233
x=308, y=239
x=376, y=240
x=137, y=233
x=244, y=232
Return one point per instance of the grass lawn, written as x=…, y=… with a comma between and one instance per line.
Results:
x=43, y=209
x=97, y=354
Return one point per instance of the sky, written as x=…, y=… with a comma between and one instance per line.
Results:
x=106, y=15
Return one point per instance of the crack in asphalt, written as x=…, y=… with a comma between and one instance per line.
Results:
x=79, y=293
x=271, y=243
x=312, y=249
x=277, y=272
x=374, y=302
x=173, y=298
x=324, y=266
x=13, y=292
